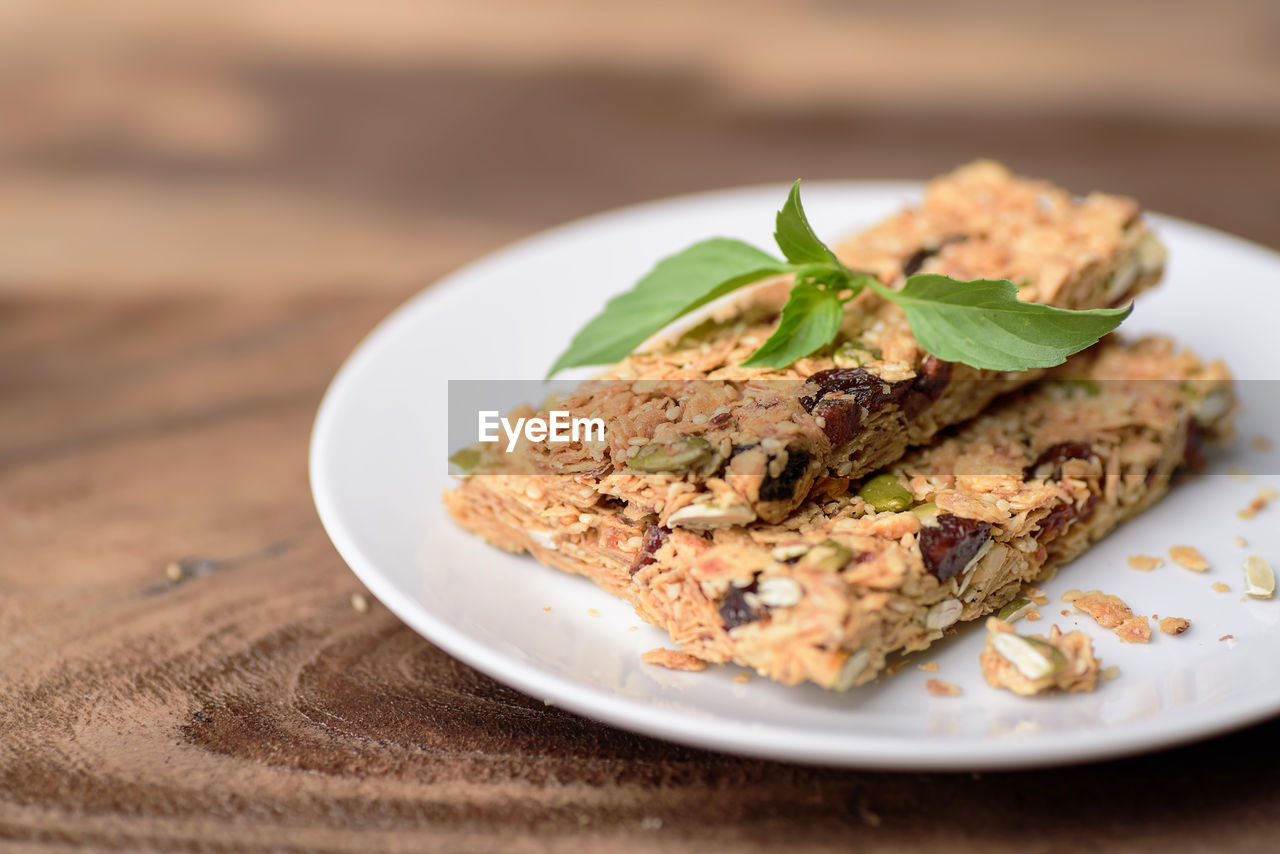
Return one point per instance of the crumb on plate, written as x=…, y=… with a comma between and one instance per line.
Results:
x=673, y=660
x=1190, y=558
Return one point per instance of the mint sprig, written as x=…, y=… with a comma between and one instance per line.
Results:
x=980, y=323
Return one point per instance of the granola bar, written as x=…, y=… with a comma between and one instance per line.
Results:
x=702, y=442
x=828, y=593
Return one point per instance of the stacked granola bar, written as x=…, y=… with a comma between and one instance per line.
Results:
x=749, y=443
x=724, y=502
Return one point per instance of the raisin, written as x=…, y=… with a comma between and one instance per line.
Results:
x=949, y=545
x=654, y=537
x=916, y=260
x=841, y=395
x=734, y=610
x=930, y=381
x=1193, y=458
x=783, y=487
x=1057, y=455
x=1062, y=515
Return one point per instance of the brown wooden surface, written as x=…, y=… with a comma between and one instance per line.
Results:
x=185, y=259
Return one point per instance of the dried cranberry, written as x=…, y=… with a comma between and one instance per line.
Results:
x=948, y=545
x=654, y=537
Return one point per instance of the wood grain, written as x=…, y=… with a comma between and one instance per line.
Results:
x=202, y=211
x=248, y=706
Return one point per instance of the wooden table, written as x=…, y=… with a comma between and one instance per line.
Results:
x=176, y=289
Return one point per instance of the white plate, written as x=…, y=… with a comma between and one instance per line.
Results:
x=378, y=469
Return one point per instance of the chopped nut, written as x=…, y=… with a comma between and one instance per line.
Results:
x=1146, y=563
x=852, y=670
x=938, y=688
x=1221, y=588
x=1034, y=659
x=1035, y=594
x=1071, y=595
x=1174, y=625
x=1189, y=557
x=673, y=660
x=1239, y=541
x=779, y=592
x=944, y=614
x=359, y=603
x=786, y=553
x=1259, y=579
x=1109, y=673
x=1033, y=615
x=928, y=667
x=702, y=515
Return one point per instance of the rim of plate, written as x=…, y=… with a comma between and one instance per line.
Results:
x=822, y=747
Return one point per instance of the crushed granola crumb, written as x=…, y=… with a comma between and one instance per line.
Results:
x=1072, y=595
x=929, y=667
x=1033, y=664
x=1227, y=638
x=1221, y=588
x=1264, y=497
x=546, y=607
x=1146, y=563
x=1190, y=558
x=1035, y=594
x=673, y=660
x=938, y=688
x=1239, y=541
x=1033, y=615
x=1065, y=612
x=1107, y=611
x=1134, y=630
x=1111, y=612
x=1109, y=673
x=1174, y=625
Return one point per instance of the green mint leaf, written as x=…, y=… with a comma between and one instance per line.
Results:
x=677, y=285
x=983, y=323
x=810, y=320
x=796, y=238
